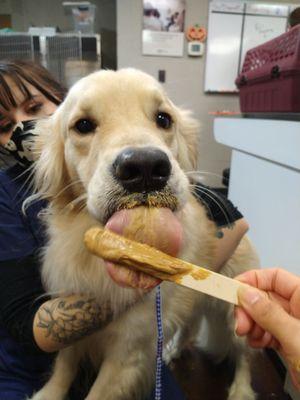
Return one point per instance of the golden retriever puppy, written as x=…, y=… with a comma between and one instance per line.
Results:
x=116, y=146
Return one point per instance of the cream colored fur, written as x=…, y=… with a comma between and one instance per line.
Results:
x=73, y=173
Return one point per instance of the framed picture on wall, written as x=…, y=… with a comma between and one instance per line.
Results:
x=163, y=27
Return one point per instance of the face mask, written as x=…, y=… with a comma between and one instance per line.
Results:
x=21, y=143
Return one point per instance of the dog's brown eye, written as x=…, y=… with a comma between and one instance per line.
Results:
x=163, y=120
x=85, y=126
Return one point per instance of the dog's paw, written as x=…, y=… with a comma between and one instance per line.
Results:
x=241, y=392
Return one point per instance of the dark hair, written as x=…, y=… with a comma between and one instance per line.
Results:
x=22, y=72
x=294, y=17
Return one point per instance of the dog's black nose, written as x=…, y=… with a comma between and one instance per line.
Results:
x=142, y=170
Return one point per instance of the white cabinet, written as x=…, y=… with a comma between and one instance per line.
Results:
x=265, y=184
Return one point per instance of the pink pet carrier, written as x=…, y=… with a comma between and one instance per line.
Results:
x=270, y=78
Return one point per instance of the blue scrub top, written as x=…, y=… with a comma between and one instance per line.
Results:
x=21, y=235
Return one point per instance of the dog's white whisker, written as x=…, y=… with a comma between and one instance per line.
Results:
x=81, y=198
x=220, y=202
x=67, y=187
x=28, y=183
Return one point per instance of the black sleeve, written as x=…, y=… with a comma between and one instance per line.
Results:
x=218, y=208
x=21, y=294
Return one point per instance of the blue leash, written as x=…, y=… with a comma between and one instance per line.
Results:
x=159, y=351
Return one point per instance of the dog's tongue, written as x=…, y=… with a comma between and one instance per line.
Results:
x=158, y=227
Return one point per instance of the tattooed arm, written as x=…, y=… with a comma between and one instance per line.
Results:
x=37, y=322
x=229, y=221
x=229, y=239
x=62, y=321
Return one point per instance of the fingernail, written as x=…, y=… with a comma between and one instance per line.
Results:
x=249, y=296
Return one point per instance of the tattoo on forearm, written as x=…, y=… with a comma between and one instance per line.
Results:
x=66, y=321
x=220, y=233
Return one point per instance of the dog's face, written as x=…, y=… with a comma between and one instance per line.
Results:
x=117, y=141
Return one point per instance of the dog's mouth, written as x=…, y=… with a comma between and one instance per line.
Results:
x=149, y=218
x=158, y=199
x=127, y=201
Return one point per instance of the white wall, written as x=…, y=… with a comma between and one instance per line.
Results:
x=184, y=77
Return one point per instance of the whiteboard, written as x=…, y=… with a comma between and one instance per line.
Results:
x=262, y=25
x=223, y=49
x=234, y=28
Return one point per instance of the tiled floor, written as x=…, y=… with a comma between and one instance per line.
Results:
x=201, y=380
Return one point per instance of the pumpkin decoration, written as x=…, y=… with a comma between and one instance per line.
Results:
x=196, y=33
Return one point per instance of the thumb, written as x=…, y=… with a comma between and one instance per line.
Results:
x=265, y=312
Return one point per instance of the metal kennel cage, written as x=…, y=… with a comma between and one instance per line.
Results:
x=68, y=56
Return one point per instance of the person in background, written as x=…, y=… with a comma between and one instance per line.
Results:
x=294, y=18
x=31, y=323
x=269, y=314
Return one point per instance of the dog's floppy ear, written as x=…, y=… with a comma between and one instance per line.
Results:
x=50, y=170
x=187, y=136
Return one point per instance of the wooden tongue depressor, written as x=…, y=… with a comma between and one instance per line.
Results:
x=141, y=257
